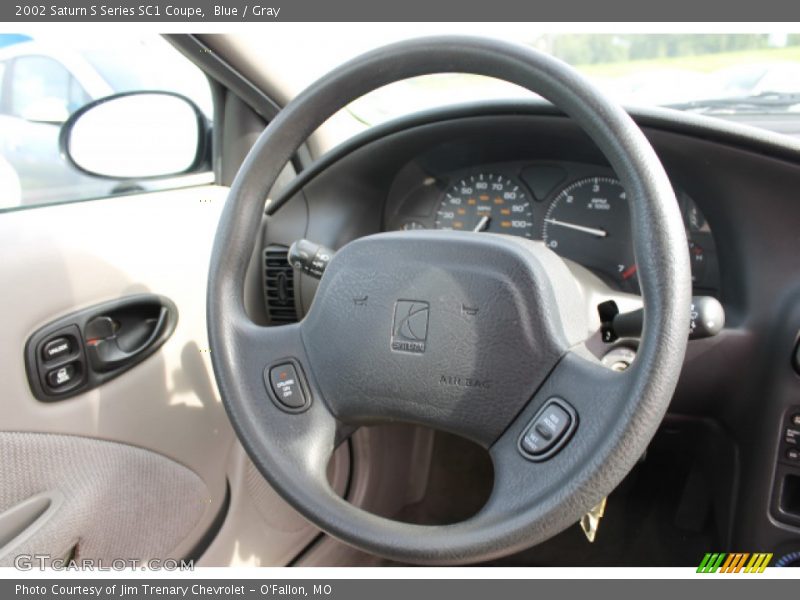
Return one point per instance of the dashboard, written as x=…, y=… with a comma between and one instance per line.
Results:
x=580, y=211
x=523, y=168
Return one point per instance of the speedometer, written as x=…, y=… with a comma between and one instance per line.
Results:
x=486, y=202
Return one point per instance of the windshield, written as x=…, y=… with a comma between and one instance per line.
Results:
x=715, y=74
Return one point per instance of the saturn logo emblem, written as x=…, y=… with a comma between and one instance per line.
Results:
x=410, y=326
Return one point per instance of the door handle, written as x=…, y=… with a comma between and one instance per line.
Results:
x=85, y=349
x=112, y=344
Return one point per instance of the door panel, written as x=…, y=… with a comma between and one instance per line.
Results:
x=141, y=465
x=96, y=499
x=60, y=259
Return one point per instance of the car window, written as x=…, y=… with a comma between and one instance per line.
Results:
x=76, y=95
x=47, y=78
x=2, y=83
x=36, y=80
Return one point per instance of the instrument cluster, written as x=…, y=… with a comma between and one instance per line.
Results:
x=580, y=211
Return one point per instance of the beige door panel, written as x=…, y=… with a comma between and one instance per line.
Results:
x=62, y=258
x=106, y=500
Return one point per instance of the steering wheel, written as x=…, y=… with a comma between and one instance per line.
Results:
x=476, y=334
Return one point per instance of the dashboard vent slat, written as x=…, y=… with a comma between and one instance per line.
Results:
x=278, y=286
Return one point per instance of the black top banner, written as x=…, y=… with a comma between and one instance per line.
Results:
x=199, y=11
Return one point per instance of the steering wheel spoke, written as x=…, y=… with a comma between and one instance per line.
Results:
x=552, y=451
x=285, y=402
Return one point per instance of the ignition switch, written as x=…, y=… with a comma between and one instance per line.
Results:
x=619, y=359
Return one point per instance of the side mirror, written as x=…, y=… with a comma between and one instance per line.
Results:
x=138, y=135
x=46, y=110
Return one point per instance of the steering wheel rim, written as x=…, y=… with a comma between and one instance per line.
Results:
x=619, y=413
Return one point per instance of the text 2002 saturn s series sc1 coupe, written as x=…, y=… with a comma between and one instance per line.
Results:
x=441, y=301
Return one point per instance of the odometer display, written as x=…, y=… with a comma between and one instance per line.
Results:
x=486, y=202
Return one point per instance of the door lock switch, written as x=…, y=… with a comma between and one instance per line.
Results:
x=57, y=348
x=62, y=376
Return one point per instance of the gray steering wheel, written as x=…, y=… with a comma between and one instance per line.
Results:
x=410, y=351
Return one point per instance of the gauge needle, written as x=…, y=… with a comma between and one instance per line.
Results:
x=483, y=223
x=629, y=272
x=590, y=230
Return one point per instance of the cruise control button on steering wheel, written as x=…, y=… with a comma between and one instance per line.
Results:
x=287, y=385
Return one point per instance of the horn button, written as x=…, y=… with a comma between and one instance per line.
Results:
x=452, y=330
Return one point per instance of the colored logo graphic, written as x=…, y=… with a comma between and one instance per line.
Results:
x=738, y=562
x=410, y=328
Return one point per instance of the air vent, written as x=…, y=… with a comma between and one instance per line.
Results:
x=279, y=286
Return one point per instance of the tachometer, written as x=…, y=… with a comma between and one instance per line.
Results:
x=486, y=202
x=589, y=222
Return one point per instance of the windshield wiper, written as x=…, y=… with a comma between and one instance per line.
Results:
x=764, y=102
